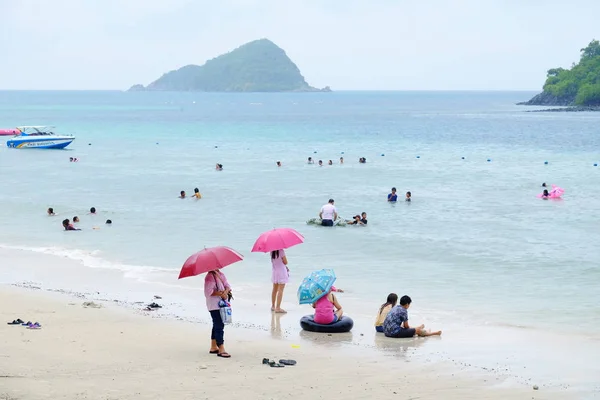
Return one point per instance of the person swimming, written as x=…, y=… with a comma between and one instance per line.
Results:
x=341, y=160
x=108, y=222
x=364, y=218
x=219, y=167
x=93, y=210
x=197, y=193
x=50, y=212
x=68, y=226
x=310, y=161
x=544, y=184
x=408, y=196
x=392, y=197
x=75, y=219
x=362, y=160
x=279, y=163
x=182, y=194
x=355, y=220
x=545, y=195
x=330, y=162
x=320, y=163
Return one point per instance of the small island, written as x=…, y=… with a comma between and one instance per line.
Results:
x=578, y=87
x=258, y=66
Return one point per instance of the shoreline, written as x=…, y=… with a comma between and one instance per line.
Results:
x=470, y=351
x=107, y=352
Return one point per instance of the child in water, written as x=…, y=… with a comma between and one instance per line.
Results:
x=385, y=308
x=51, y=212
x=68, y=226
x=182, y=194
x=197, y=193
x=545, y=195
x=408, y=196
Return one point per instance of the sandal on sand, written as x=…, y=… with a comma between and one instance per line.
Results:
x=154, y=305
x=213, y=352
x=28, y=323
x=265, y=361
x=273, y=364
x=35, y=326
x=224, y=355
x=287, y=362
x=17, y=321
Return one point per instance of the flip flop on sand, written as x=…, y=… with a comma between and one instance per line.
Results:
x=35, y=326
x=287, y=362
x=224, y=355
x=17, y=321
x=154, y=305
x=273, y=364
x=265, y=361
x=213, y=352
x=27, y=323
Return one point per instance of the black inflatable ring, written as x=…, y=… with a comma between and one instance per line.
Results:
x=345, y=324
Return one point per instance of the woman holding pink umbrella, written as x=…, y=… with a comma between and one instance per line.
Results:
x=280, y=276
x=274, y=241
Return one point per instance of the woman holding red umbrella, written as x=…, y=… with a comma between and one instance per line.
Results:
x=216, y=288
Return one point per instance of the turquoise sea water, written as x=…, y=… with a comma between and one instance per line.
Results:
x=475, y=246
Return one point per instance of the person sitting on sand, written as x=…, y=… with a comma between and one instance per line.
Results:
x=93, y=210
x=182, y=194
x=51, y=212
x=68, y=226
x=310, y=161
x=408, y=196
x=197, y=193
x=75, y=219
x=392, y=197
x=363, y=218
x=396, y=325
x=385, y=308
x=324, y=309
x=219, y=167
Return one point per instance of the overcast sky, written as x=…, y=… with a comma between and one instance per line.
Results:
x=346, y=44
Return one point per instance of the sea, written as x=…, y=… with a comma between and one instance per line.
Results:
x=483, y=258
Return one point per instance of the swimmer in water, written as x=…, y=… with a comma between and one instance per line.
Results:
x=544, y=184
x=392, y=197
x=408, y=196
x=279, y=163
x=355, y=221
x=93, y=210
x=182, y=194
x=330, y=162
x=310, y=161
x=75, y=219
x=219, y=167
x=68, y=226
x=545, y=195
x=320, y=163
x=197, y=193
x=341, y=160
x=108, y=222
x=51, y=212
x=364, y=218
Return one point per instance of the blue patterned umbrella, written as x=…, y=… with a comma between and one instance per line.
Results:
x=315, y=286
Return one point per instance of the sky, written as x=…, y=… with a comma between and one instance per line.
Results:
x=348, y=45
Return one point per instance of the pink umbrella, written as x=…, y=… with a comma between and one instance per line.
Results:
x=209, y=260
x=277, y=239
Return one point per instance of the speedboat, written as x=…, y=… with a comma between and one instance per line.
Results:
x=38, y=137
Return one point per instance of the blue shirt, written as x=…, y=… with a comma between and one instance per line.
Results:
x=394, y=320
x=392, y=197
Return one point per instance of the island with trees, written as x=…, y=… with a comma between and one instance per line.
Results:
x=258, y=66
x=578, y=87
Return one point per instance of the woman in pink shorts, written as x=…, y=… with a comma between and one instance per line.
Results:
x=279, y=277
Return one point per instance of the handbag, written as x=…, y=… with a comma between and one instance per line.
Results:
x=225, y=310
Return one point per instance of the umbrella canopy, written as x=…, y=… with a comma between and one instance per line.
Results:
x=209, y=260
x=277, y=239
x=315, y=286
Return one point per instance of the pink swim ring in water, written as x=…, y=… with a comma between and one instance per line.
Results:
x=555, y=193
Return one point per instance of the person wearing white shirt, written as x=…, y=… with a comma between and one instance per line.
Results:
x=328, y=214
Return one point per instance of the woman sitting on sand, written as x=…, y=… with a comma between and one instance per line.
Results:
x=280, y=276
x=324, y=313
x=216, y=288
x=396, y=325
x=385, y=308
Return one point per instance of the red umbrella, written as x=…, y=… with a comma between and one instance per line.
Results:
x=277, y=239
x=209, y=260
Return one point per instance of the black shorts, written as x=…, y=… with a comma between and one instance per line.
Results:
x=327, y=222
x=404, y=333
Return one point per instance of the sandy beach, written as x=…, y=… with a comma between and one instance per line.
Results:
x=111, y=353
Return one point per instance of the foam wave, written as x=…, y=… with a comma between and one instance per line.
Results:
x=90, y=259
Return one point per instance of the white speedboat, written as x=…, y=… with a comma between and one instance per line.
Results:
x=38, y=137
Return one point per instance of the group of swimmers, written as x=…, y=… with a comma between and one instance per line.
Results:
x=311, y=161
x=196, y=194
x=393, y=197
x=70, y=226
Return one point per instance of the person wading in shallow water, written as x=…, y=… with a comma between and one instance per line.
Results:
x=328, y=213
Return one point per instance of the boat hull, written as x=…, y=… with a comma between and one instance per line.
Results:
x=46, y=143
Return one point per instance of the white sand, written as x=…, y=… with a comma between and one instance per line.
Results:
x=110, y=353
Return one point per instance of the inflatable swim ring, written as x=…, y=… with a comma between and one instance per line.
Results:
x=555, y=193
x=345, y=324
x=317, y=221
